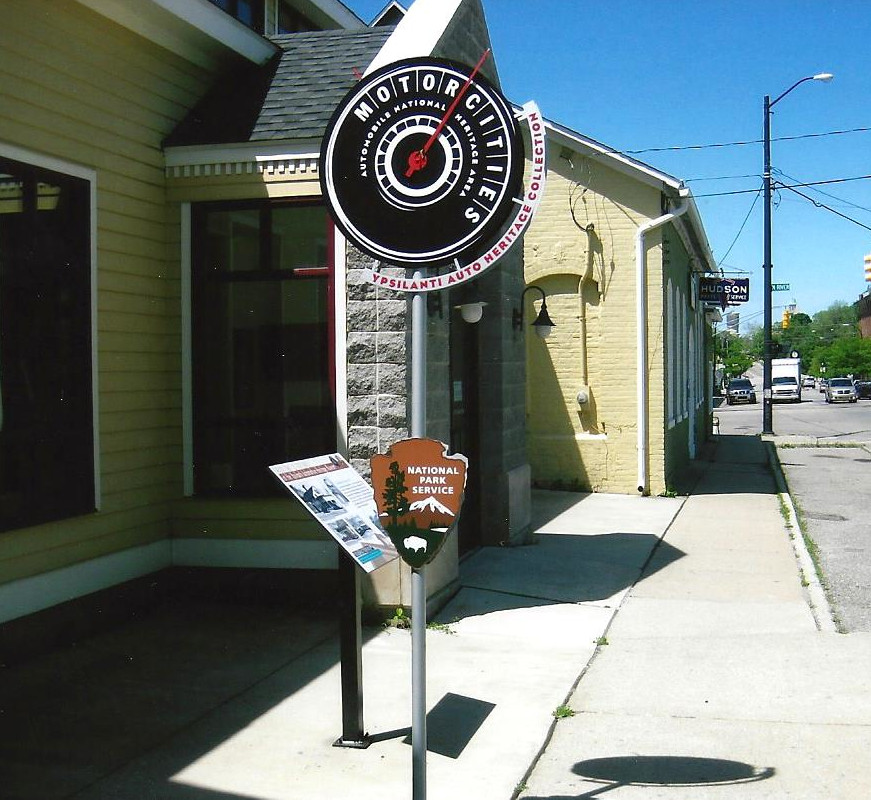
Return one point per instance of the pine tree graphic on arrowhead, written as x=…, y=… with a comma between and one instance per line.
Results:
x=395, y=499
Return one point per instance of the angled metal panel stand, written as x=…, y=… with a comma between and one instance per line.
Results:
x=351, y=656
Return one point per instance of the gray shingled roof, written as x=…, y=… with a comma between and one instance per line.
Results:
x=292, y=97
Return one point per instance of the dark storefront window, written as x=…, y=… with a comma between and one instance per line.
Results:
x=248, y=12
x=262, y=343
x=46, y=411
x=292, y=21
x=285, y=18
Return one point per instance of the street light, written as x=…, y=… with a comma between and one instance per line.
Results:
x=767, y=105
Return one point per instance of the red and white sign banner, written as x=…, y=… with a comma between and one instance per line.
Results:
x=461, y=273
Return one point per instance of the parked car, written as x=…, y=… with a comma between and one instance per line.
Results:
x=863, y=390
x=840, y=390
x=740, y=390
x=823, y=383
x=808, y=382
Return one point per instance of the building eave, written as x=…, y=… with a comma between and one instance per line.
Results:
x=583, y=145
x=672, y=187
x=300, y=156
x=194, y=29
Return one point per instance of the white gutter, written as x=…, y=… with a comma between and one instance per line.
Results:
x=642, y=381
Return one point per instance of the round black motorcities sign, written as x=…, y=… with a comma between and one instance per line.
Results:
x=422, y=163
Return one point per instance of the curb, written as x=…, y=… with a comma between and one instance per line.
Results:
x=819, y=602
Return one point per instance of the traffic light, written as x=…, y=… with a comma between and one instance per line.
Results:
x=785, y=322
x=868, y=268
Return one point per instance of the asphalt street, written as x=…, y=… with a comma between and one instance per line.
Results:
x=825, y=452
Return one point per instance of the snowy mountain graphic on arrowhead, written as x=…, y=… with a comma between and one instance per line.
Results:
x=430, y=504
x=429, y=513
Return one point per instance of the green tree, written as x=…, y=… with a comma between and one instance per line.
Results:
x=800, y=319
x=734, y=356
x=756, y=343
x=836, y=315
x=395, y=499
x=810, y=337
x=838, y=321
x=845, y=357
x=799, y=337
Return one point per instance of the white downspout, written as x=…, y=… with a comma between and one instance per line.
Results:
x=641, y=337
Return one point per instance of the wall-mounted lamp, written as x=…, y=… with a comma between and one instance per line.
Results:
x=471, y=312
x=543, y=324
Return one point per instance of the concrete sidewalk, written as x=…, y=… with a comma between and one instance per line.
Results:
x=216, y=702
x=714, y=681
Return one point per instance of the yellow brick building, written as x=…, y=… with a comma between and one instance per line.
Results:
x=618, y=396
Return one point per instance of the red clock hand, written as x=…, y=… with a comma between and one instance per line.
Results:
x=417, y=159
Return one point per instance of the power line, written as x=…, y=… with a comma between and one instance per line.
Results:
x=752, y=206
x=743, y=143
x=826, y=194
x=818, y=204
x=726, y=194
x=723, y=178
x=825, y=183
x=789, y=186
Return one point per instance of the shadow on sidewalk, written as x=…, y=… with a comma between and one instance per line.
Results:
x=192, y=673
x=729, y=464
x=673, y=771
x=557, y=569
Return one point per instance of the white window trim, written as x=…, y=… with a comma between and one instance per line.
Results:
x=90, y=175
x=187, y=413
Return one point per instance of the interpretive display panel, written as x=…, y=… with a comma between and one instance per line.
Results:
x=336, y=495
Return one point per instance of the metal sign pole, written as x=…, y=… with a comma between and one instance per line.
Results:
x=418, y=576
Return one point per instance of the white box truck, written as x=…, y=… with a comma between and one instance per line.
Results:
x=786, y=380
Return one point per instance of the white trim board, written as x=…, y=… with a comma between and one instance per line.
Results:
x=28, y=595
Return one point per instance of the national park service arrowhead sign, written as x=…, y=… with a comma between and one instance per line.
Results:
x=419, y=491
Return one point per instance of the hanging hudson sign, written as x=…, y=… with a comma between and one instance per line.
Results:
x=724, y=291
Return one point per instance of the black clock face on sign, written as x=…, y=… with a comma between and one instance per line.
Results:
x=412, y=176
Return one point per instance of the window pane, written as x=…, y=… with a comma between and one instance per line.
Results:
x=292, y=21
x=233, y=241
x=299, y=237
x=262, y=379
x=46, y=422
x=249, y=12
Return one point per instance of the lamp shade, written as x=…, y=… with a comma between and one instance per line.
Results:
x=472, y=312
x=543, y=324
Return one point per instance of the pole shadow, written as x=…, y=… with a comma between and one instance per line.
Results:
x=674, y=771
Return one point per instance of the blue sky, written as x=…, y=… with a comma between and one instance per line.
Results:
x=637, y=75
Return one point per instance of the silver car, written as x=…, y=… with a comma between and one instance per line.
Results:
x=841, y=390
